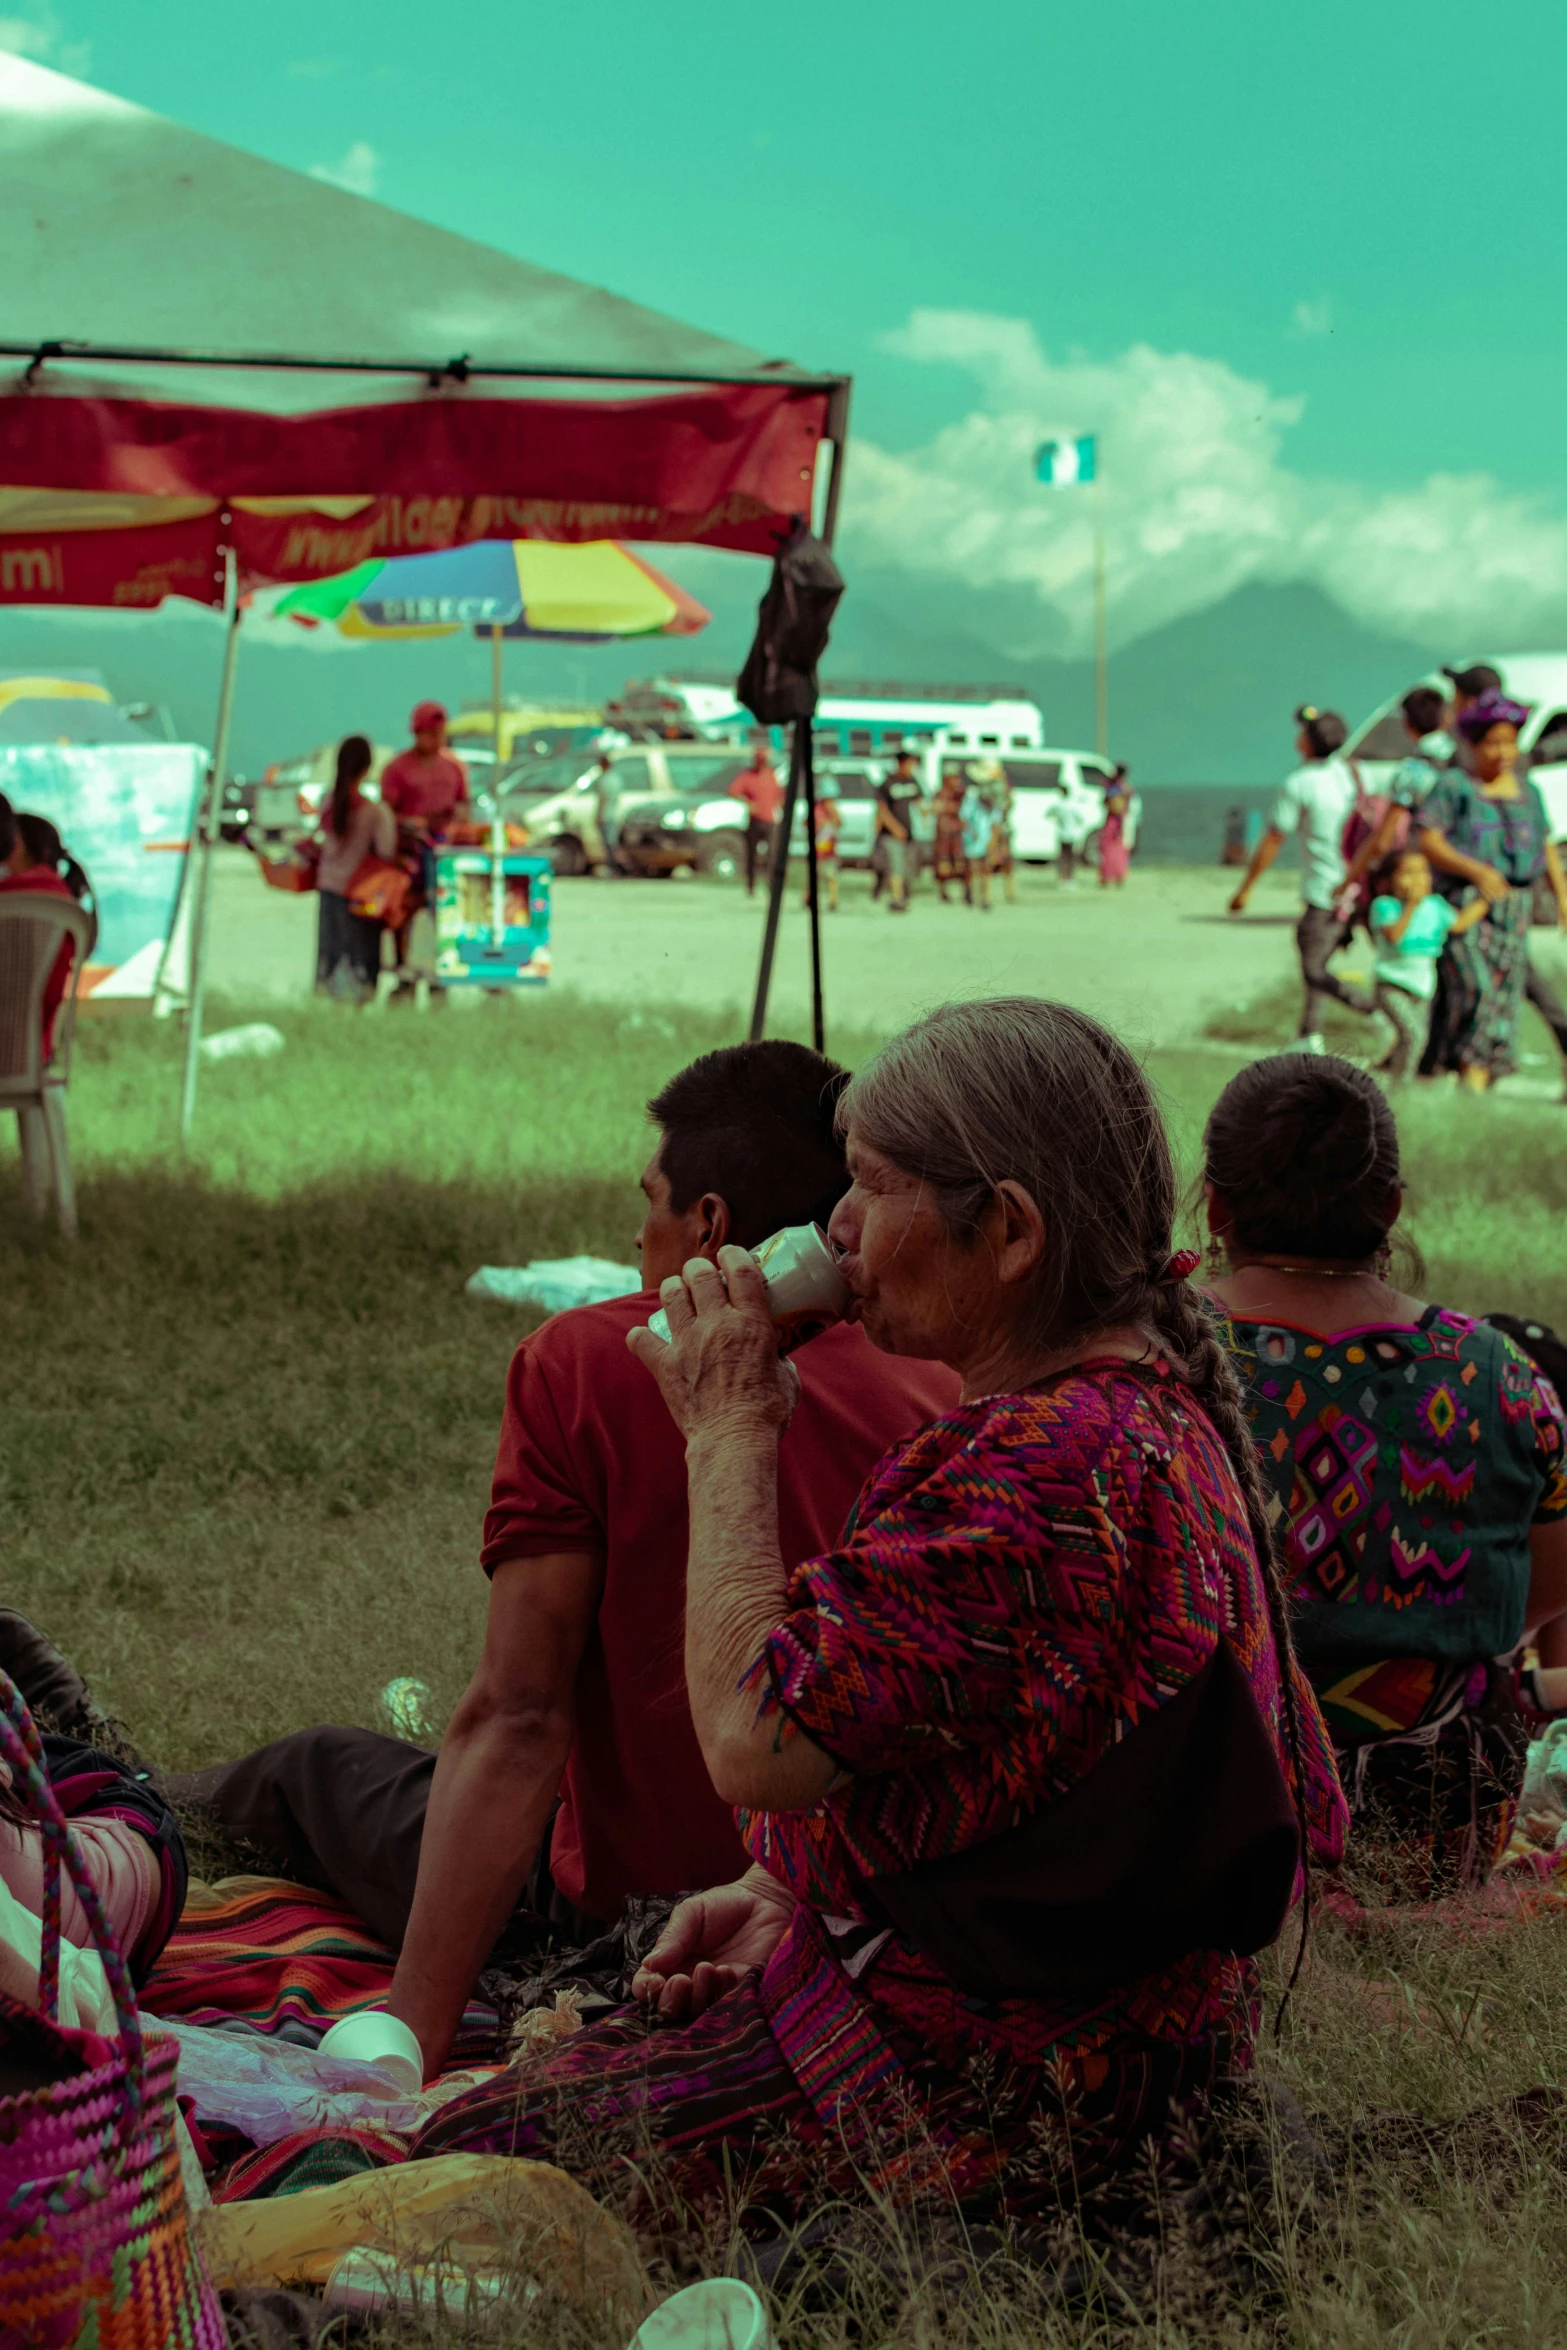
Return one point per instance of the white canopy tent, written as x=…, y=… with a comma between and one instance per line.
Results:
x=225, y=372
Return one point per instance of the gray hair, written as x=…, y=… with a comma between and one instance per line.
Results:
x=1024, y=1091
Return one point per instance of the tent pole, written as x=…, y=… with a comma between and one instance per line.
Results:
x=495, y=699
x=201, y=897
x=802, y=727
x=802, y=768
x=838, y=434
x=777, y=879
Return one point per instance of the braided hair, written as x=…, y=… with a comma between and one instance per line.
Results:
x=1037, y=1093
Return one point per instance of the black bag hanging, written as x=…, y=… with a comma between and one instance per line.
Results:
x=778, y=682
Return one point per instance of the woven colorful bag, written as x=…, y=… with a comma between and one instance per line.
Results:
x=95, y=2242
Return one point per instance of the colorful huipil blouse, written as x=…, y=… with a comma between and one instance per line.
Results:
x=1508, y=832
x=1023, y=1581
x=1411, y=1464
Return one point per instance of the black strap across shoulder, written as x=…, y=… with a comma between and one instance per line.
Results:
x=1182, y=1837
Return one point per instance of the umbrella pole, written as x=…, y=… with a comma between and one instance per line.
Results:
x=206, y=842
x=495, y=699
x=777, y=878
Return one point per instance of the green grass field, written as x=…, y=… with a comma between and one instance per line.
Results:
x=248, y=1428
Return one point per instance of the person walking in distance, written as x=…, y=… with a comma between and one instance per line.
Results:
x=951, y=859
x=1315, y=803
x=896, y=801
x=829, y=823
x=1115, y=857
x=761, y=793
x=1469, y=686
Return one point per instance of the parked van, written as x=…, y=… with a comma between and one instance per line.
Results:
x=1540, y=679
x=1047, y=784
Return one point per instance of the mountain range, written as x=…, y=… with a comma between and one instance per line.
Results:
x=1206, y=699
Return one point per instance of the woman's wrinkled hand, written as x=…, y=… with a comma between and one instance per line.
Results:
x=720, y=1367
x=1493, y=886
x=711, y=1943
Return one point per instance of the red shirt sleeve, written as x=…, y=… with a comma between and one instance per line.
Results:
x=543, y=1498
x=394, y=792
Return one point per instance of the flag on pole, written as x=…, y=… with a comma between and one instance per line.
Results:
x=1062, y=463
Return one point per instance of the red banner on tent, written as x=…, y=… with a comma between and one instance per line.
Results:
x=726, y=465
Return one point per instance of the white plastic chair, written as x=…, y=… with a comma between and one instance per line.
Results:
x=33, y=925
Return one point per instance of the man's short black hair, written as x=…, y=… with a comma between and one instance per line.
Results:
x=1422, y=707
x=7, y=826
x=1479, y=678
x=754, y=1123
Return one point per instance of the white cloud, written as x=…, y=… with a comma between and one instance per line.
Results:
x=1196, y=499
x=359, y=171
x=1313, y=318
x=40, y=34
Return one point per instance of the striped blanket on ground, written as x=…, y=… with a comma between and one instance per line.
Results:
x=288, y=1961
x=285, y=1959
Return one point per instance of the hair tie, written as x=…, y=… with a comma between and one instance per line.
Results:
x=1180, y=1267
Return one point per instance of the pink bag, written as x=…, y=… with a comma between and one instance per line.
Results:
x=95, y=2241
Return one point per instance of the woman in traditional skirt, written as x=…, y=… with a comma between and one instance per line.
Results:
x=951, y=859
x=1486, y=829
x=1038, y=1598
x=1418, y=1457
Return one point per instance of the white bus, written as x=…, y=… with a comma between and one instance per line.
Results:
x=859, y=722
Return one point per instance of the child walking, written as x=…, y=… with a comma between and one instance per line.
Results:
x=1410, y=926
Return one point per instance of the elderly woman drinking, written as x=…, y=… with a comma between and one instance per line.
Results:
x=1022, y=1762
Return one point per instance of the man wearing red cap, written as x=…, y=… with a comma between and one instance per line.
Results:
x=426, y=785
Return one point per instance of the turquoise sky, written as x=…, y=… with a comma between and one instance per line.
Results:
x=1358, y=202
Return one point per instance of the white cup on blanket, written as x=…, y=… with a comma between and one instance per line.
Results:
x=374, y=2037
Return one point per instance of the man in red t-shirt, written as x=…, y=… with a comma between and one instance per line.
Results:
x=580, y=1692
x=21, y=870
x=426, y=785
x=758, y=786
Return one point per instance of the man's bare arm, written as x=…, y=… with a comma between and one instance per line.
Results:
x=495, y=1782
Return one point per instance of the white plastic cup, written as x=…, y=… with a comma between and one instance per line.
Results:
x=368, y=2280
x=720, y=2313
x=374, y=2037
x=806, y=1290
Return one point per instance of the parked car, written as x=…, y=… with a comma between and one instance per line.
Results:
x=659, y=792
x=1540, y=679
x=289, y=795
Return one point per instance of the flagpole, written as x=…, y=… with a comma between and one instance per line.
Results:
x=1101, y=659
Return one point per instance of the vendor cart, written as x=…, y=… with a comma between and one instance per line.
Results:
x=492, y=918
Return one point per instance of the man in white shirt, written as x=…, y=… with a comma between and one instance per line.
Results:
x=1315, y=803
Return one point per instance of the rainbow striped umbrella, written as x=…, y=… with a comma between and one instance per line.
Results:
x=589, y=594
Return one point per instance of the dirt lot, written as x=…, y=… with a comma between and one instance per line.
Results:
x=1153, y=959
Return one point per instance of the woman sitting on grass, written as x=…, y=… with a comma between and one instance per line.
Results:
x=1419, y=1456
x=984, y=1690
